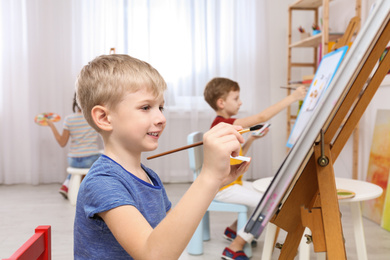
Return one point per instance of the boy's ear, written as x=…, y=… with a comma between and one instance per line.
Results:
x=101, y=118
x=220, y=103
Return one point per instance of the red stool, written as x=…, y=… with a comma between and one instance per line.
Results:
x=38, y=247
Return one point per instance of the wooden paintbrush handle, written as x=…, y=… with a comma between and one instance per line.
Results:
x=175, y=150
x=190, y=146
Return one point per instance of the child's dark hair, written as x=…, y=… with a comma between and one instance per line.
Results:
x=219, y=88
x=75, y=105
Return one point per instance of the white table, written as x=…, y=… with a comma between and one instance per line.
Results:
x=364, y=191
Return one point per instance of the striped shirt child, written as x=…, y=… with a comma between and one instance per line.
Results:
x=83, y=136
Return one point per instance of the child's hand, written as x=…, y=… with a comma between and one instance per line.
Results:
x=235, y=171
x=48, y=122
x=260, y=136
x=221, y=142
x=299, y=93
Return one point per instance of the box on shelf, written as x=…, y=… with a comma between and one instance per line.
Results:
x=305, y=35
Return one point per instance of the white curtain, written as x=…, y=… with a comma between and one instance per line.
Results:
x=44, y=44
x=35, y=77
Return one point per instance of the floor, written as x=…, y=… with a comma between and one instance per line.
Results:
x=24, y=207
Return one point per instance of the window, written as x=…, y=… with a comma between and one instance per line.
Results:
x=188, y=42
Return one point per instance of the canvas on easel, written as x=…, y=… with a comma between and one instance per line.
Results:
x=378, y=210
x=321, y=81
x=303, y=191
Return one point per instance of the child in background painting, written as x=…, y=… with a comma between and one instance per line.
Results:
x=223, y=95
x=83, y=150
x=122, y=206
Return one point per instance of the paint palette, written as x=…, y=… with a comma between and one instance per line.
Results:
x=261, y=131
x=241, y=158
x=345, y=194
x=41, y=118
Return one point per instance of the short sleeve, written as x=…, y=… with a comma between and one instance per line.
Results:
x=66, y=123
x=103, y=193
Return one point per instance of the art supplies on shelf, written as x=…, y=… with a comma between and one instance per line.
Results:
x=316, y=29
x=303, y=33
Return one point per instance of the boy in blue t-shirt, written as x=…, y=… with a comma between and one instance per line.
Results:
x=122, y=207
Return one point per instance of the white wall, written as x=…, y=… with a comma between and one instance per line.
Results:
x=278, y=21
x=278, y=32
x=340, y=13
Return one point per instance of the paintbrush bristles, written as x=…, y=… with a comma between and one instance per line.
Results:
x=256, y=127
x=252, y=128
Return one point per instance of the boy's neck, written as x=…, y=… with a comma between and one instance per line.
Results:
x=223, y=114
x=130, y=161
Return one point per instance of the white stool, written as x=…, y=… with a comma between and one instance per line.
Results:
x=363, y=190
x=75, y=181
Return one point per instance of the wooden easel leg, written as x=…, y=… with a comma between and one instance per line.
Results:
x=312, y=219
x=330, y=207
x=291, y=244
x=289, y=218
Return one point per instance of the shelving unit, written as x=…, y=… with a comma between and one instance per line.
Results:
x=313, y=44
x=315, y=41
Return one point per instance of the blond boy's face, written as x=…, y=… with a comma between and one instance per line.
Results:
x=232, y=103
x=138, y=121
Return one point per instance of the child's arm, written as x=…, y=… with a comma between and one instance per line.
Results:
x=61, y=139
x=169, y=239
x=271, y=111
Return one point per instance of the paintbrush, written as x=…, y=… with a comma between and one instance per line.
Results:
x=287, y=87
x=246, y=130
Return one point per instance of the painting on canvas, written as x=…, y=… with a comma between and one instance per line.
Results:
x=378, y=170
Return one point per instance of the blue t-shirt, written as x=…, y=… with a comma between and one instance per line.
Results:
x=108, y=185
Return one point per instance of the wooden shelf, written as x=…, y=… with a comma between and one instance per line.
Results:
x=300, y=64
x=315, y=41
x=306, y=4
x=312, y=45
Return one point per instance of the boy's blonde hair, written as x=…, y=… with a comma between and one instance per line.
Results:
x=218, y=88
x=107, y=78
